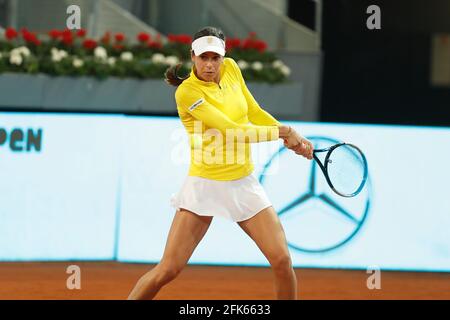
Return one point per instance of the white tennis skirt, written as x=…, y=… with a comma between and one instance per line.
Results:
x=237, y=200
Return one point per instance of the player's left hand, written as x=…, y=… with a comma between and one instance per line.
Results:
x=303, y=147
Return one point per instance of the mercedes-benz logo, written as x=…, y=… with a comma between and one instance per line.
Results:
x=315, y=219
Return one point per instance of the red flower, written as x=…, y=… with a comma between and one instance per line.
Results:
x=54, y=34
x=232, y=43
x=248, y=44
x=228, y=45
x=118, y=46
x=185, y=39
x=260, y=45
x=181, y=38
x=119, y=37
x=106, y=38
x=89, y=44
x=154, y=44
x=143, y=37
x=157, y=44
x=36, y=42
x=10, y=33
x=81, y=33
x=172, y=37
x=252, y=42
x=66, y=33
x=30, y=36
x=67, y=40
x=23, y=31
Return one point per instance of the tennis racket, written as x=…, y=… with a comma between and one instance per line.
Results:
x=344, y=167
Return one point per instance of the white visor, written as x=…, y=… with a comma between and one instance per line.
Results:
x=208, y=43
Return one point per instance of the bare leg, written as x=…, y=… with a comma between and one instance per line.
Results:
x=266, y=230
x=185, y=233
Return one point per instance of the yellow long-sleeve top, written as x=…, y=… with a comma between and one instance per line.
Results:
x=216, y=117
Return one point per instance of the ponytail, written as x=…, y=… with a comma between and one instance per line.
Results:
x=172, y=77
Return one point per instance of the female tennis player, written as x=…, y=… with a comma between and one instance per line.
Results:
x=214, y=101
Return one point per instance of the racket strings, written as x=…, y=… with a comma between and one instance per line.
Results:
x=346, y=169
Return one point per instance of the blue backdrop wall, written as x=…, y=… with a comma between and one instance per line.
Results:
x=98, y=187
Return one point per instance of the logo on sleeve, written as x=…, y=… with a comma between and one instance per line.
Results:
x=196, y=104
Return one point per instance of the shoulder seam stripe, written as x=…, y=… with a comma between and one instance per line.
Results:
x=196, y=104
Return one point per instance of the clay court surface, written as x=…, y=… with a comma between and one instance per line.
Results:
x=112, y=280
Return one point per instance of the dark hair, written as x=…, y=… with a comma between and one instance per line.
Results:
x=171, y=73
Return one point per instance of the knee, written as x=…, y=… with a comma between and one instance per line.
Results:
x=281, y=262
x=167, y=272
